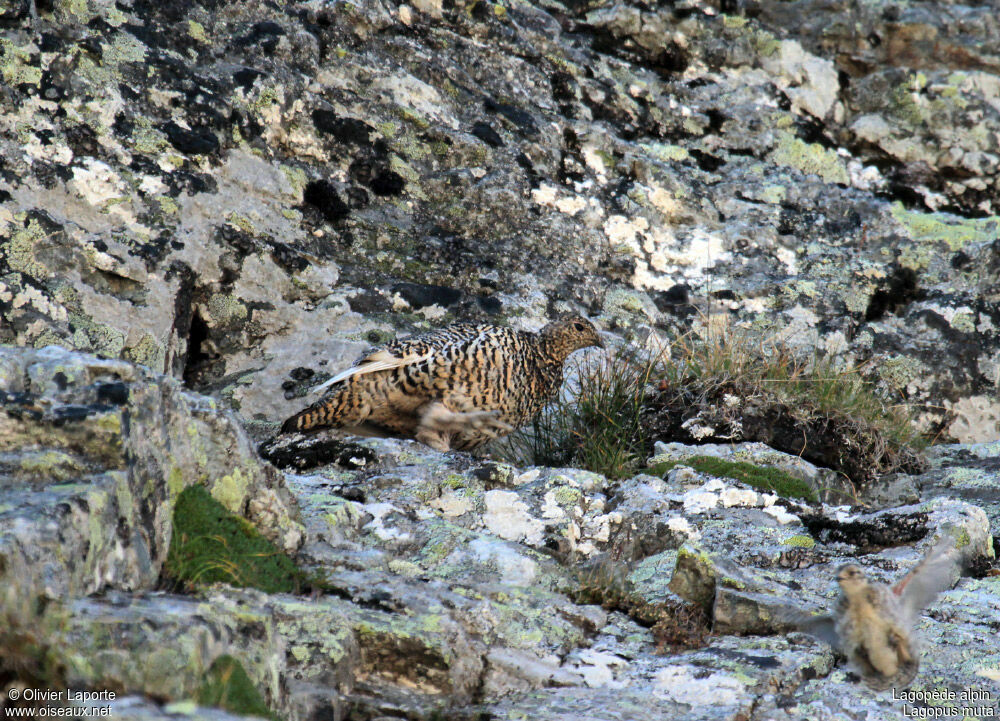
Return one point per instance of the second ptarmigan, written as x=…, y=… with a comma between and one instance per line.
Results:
x=456, y=387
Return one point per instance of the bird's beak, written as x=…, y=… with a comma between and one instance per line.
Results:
x=600, y=341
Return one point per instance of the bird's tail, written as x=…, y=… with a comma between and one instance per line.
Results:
x=341, y=408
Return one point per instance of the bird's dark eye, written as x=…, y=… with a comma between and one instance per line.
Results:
x=579, y=327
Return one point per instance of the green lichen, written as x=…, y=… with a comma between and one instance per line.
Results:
x=15, y=65
x=388, y=128
x=197, y=31
x=148, y=352
x=296, y=177
x=175, y=481
x=964, y=322
x=898, y=371
x=902, y=104
x=231, y=490
x=227, y=686
x=51, y=466
x=21, y=250
x=666, y=152
x=765, y=43
x=773, y=194
x=962, y=539
x=209, y=544
x=226, y=309
x=810, y=158
x=567, y=496
x=956, y=232
x=800, y=541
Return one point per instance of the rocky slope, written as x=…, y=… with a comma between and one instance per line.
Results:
x=206, y=207
x=450, y=585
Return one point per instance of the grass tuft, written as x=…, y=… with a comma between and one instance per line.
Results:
x=723, y=390
x=599, y=426
x=228, y=687
x=212, y=545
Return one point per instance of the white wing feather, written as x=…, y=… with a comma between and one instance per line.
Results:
x=379, y=361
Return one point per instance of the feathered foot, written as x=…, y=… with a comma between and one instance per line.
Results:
x=438, y=424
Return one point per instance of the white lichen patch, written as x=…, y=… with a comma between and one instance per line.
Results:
x=682, y=526
x=411, y=93
x=781, y=515
x=97, y=183
x=377, y=525
x=739, y=497
x=527, y=477
x=514, y=568
x=700, y=500
x=452, y=503
x=508, y=517
x=977, y=418
x=691, y=686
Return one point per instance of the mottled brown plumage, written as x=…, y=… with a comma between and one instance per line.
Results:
x=872, y=623
x=456, y=387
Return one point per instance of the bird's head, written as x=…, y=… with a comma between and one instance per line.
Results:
x=851, y=579
x=562, y=337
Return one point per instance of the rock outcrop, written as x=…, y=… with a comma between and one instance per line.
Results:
x=248, y=196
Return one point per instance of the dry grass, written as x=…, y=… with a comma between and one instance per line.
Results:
x=599, y=424
x=719, y=390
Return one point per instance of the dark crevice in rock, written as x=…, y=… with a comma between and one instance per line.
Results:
x=871, y=535
x=198, y=356
x=897, y=291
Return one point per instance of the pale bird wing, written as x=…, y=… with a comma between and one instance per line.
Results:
x=937, y=572
x=380, y=360
x=823, y=627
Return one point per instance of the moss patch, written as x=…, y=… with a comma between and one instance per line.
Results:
x=212, y=545
x=763, y=478
x=227, y=686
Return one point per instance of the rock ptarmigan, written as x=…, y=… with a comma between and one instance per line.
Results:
x=456, y=387
x=872, y=623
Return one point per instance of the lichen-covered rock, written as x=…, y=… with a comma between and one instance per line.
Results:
x=245, y=196
x=93, y=454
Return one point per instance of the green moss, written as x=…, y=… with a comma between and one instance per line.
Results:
x=763, y=478
x=227, y=686
x=211, y=545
